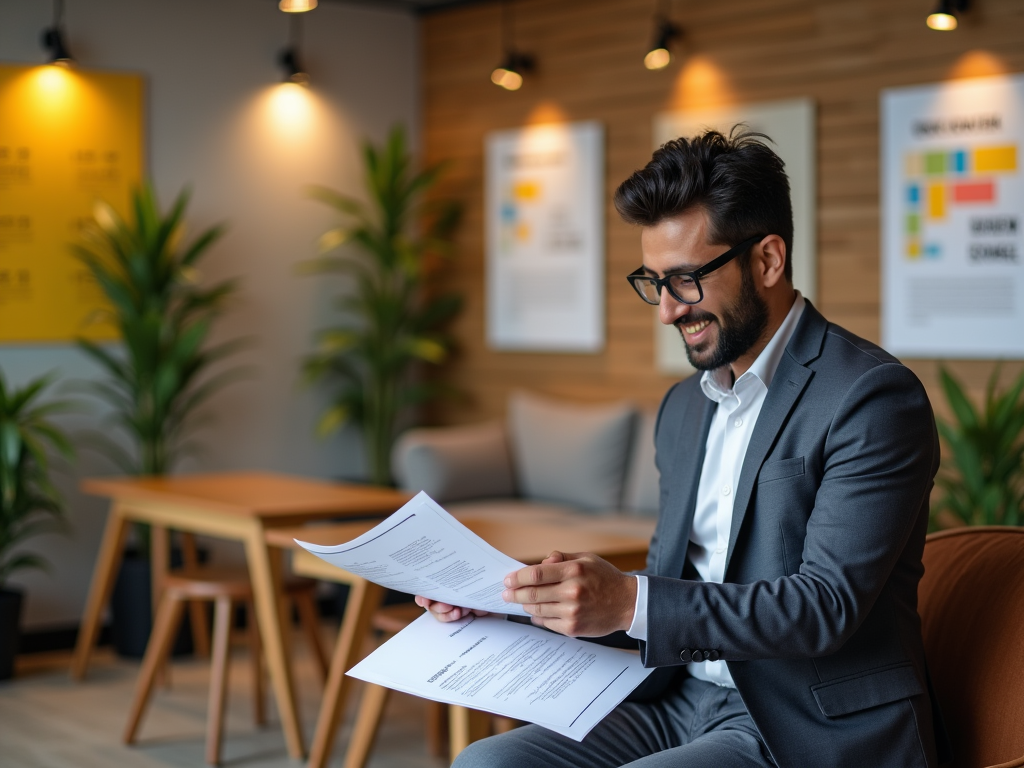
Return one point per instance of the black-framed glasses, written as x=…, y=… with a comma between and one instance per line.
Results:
x=685, y=286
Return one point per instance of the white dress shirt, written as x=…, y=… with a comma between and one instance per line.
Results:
x=739, y=405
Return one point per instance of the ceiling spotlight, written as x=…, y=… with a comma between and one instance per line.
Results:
x=660, y=53
x=509, y=74
x=296, y=6
x=53, y=38
x=289, y=59
x=944, y=18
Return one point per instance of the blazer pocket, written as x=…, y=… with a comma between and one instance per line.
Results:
x=869, y=689
x=776, y=470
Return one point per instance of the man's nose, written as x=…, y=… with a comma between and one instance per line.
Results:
x=670, y=309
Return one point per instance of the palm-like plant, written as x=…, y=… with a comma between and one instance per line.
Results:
x=29, y=503
x=163, y=318
x=391, y=321
x=982, y=478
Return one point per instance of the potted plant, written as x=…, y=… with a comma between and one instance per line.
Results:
x=164, y=369
x=29, y=503
x=982, y=476
x=392, y=321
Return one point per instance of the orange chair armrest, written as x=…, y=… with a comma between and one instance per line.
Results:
x=1018, y=763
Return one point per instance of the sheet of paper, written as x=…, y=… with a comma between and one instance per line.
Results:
x=507, y=668
x=423, y=550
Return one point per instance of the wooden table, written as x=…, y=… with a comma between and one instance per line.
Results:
x=241, y=506
x=529, y=539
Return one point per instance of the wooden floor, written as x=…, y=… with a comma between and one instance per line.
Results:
x=47, y=721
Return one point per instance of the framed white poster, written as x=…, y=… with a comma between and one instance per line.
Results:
x=952, y=204
x=544, y=213
x=790, y=124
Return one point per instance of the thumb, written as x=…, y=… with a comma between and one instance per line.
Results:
x=554, y=557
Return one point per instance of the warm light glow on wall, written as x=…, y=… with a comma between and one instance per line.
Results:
x=943, y=22
x=290, y=112
x=547, y=111
x=700, y=84
x=978, y=64
x=53, y=91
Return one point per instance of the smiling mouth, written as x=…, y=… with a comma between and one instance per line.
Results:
x=696, y=327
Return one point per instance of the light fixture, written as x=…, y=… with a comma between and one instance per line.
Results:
x=943, y=18
x=289, y=58
x=296, y=6
x=509, y=74
x=53, y=38
x=660, y=53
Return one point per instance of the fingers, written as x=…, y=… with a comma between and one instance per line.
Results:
x=445, y=612
x=556, y=567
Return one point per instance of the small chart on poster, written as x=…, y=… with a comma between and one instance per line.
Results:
x=953, y=205
x=545, y=238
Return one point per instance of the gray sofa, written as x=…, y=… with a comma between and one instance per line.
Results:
x=547, y=458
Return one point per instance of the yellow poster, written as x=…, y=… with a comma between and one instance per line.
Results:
x=67, y=138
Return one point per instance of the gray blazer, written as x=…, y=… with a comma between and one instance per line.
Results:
x=817, y=618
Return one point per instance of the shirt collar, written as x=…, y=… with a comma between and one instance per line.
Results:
x=716, y=384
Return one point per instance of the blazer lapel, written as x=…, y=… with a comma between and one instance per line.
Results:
x=787, y=385
x=690, y=446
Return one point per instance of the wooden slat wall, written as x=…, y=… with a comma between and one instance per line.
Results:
x=840, y=53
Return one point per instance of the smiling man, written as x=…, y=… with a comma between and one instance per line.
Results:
x=779, y=601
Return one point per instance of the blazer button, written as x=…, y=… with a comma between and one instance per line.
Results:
x=707, y=655
x=684, y=655
x=713, y=655
x=697, y=655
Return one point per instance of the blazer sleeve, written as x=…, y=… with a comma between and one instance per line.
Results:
x=880, y=458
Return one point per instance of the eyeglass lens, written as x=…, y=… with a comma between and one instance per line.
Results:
x=683, y=287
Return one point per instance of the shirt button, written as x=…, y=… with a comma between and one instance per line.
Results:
x=738, y=423
x=726, y=490
x=720, y=551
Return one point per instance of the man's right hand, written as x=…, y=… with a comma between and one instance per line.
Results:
x=444, y=611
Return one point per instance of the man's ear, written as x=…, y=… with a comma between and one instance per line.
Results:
x=770, y=264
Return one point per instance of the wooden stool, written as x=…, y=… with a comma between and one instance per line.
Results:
x=224, y=589
x=392, y=620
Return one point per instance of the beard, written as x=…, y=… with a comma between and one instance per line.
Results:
x=741, y=325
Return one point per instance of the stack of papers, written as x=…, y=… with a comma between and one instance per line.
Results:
x=486, y=663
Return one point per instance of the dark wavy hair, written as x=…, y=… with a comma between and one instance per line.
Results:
x=737, y=179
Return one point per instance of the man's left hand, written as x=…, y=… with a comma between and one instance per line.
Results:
x=579, y=595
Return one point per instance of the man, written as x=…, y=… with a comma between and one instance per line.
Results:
x=779, y=601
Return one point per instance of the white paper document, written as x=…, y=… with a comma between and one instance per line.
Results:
x=511, y=669
x=486, y=663
x=423, y=550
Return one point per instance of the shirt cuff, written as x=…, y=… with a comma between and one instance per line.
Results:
x=638, y=629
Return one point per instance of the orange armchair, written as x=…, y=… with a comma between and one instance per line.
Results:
x=971, y=601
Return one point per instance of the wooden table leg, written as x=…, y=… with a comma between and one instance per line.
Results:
x=265, y=571
x=466, y=726
x=364, y=598
x=196, y=608
x=159, y=566
x=107, y=562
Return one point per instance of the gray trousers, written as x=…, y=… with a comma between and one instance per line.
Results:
x=696, y=725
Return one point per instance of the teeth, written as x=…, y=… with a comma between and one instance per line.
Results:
x=691, y=329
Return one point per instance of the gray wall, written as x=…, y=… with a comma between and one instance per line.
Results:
x=214, y=122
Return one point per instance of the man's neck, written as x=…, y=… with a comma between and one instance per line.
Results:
x=778, y=308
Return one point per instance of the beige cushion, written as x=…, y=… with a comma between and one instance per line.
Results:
x=642, y=495
x=570, y=453
x=452, y=463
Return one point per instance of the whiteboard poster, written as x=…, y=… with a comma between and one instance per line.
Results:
x=544, y=213
x=952, y=205
x=790, y=124
x=68, y=138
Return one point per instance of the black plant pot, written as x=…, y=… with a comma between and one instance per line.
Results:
x=131, y=608
x=10, y=630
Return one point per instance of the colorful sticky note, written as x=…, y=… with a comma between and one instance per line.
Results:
x=989, y=159
x=937, y=201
